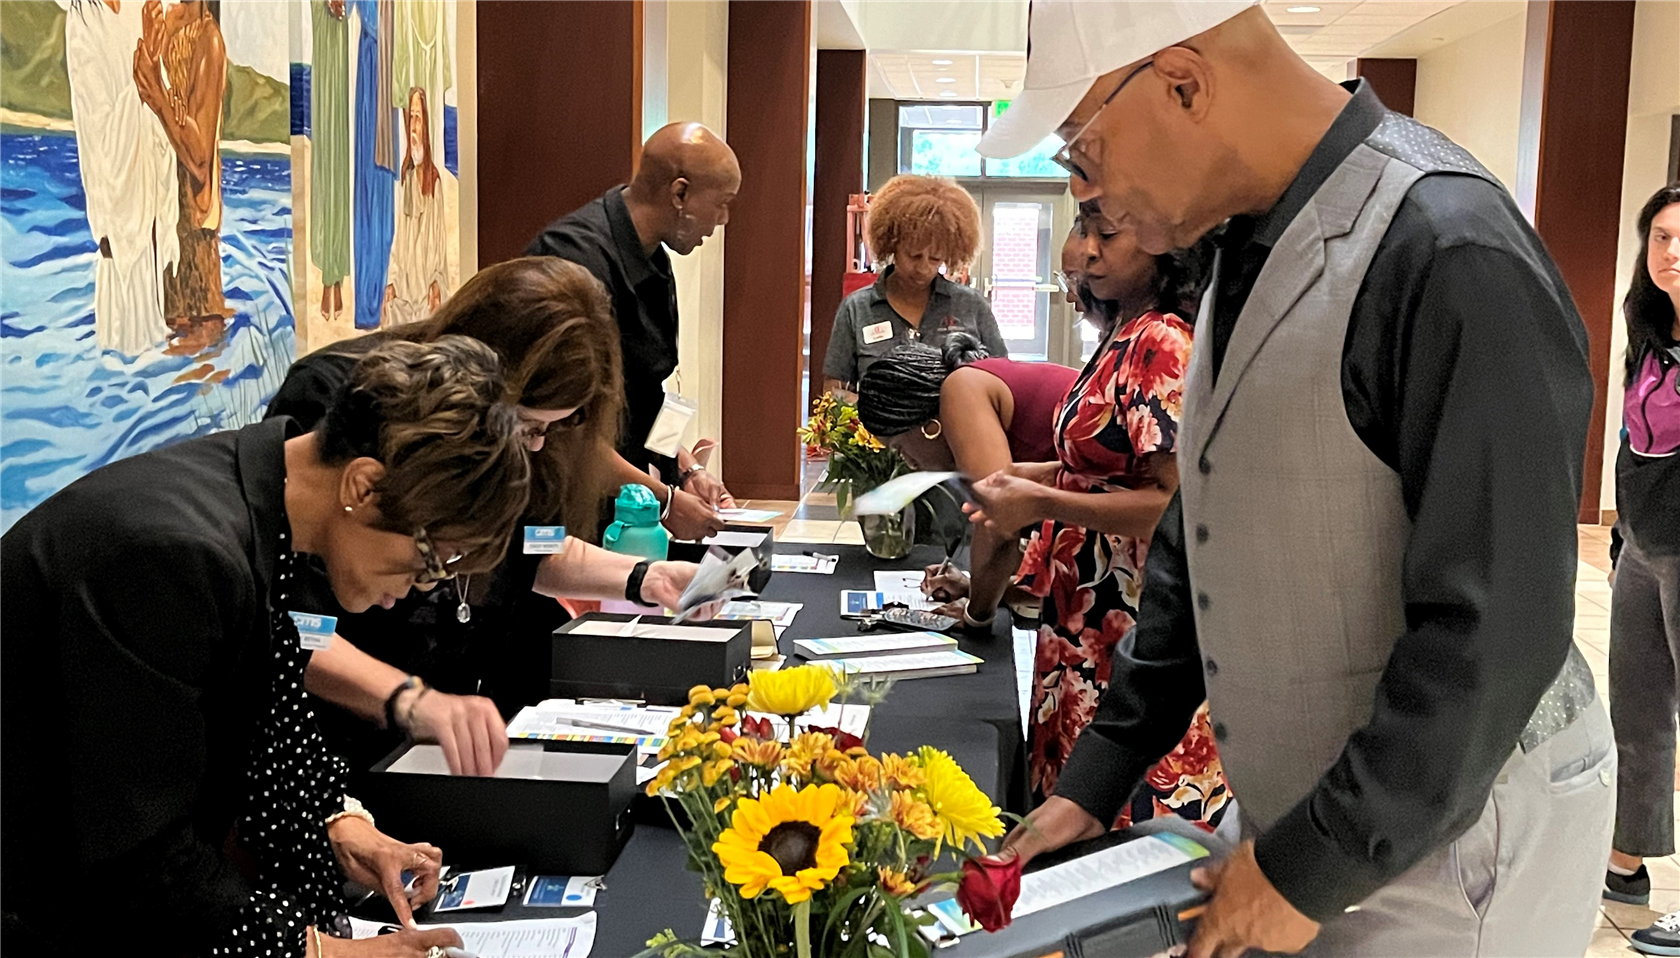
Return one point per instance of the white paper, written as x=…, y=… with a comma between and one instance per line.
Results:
x=815, y=564
x=570, y=721
x=480, y=889
x=853, y=719
x=734, y=539
x=768, y=665
x=909, y=580
x=894, y=495
x=852, y=646
x=779, y=614
x=875, y=601
x=748, y=515
x=580, y=890
x=720, y=577
x=651, y=630
x=1086, y=875
x=666, y=435
x=718, y=930
x=528, y=937
x=954, y=660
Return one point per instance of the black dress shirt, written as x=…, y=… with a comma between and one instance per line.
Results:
x=137, y=669
x=501, y=652
x=1464, y=368
x=601, y=237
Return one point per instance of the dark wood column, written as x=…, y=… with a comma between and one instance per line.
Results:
x=764, y=295
x=559, y=112
x=1569, y=171
x=1394, y=79
x=841, y=99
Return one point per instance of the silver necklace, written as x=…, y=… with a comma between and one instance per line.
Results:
x=463, y=612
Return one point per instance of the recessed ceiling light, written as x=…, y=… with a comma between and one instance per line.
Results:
x=949, y=93
x=942, y=63
x=1304, y=9
x=946, y=80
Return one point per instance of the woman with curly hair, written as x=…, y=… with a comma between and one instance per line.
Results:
x=918, y=226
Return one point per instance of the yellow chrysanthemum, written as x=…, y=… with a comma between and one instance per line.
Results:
x=722, y=803
x=701, y=695
x=661, y=781
x=856, y=803
x=914, y=816
x=791, y=691
x=902, y=772
x=863, y=774
x=965, y=812
x=793, y=842
x=895, y=883
x=726, y=715
x=722, y=750
x=806, y=750
x=750, y=751
x=736, y=699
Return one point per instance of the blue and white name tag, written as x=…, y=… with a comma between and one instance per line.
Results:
x=545, y=540
x=315, y=632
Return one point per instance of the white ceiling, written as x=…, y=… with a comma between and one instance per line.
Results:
x=1328, y=38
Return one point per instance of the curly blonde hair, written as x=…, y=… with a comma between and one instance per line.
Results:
x=924, y=211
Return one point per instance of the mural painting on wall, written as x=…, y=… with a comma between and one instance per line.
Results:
x=145, y=226
x=375, y=163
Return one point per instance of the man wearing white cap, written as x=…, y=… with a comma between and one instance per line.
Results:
x=1369, y=568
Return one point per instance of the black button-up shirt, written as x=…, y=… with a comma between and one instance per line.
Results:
x=601, y=237
x=1464, y=368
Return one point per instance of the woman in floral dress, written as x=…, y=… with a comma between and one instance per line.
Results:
x=1096, y=508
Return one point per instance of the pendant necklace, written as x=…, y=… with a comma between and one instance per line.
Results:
x=463, y=612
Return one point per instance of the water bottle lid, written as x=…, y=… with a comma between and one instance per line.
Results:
x=636, y=506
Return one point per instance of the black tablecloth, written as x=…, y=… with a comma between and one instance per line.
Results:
x=976, y=718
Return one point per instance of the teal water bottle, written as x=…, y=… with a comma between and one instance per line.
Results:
x=635, y=529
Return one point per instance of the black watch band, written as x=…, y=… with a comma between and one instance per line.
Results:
x=391, y=700
x=633, y=585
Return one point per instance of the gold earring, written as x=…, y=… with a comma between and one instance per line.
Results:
x=938, y=429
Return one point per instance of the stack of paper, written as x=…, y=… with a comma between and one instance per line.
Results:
x=748, y=516
x=565, y=720
x=528, y=937
x=856, y=646
x=921, y=665
x=858, y=603
x=813, y=563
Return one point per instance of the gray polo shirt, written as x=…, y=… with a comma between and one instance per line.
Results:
x=860, y=338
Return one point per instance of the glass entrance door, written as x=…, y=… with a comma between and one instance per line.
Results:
x=1017, y=267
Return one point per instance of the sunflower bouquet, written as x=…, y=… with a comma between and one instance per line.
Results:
x=810, y=844
x=857, y=460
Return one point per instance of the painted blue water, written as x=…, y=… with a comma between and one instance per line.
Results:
x=67, y=406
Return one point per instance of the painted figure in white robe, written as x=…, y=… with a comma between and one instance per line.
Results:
x=419, y=258
x=128, y=174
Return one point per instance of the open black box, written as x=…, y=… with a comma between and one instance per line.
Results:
x=684, y=550
x=559, y=808
x=597, y=656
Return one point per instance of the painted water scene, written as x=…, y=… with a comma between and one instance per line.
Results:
x=194, y=192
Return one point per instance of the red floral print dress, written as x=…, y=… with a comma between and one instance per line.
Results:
x=1124, y=406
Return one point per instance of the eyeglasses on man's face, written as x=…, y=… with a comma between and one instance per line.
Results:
x=1064, y=156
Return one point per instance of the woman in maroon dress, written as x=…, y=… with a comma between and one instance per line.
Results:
x=1096, y=508
x=957, y=410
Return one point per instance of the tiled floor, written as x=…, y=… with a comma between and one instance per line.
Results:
x=816, y=520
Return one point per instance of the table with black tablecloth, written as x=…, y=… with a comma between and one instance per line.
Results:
x=976, y=718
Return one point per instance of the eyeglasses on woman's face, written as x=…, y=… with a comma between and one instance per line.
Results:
x=437, y=567
x=1064, y=156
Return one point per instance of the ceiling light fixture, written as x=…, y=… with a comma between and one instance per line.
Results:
x=946, y=80
x=942, y=63
x=949, y=93
x=1304, y=9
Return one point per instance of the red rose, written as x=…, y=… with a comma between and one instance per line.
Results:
x=988, y=890
x=844, y=741
x=758, y=728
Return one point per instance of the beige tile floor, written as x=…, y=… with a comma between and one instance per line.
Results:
x=1592, y=633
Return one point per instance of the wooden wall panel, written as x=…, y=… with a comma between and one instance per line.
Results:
x=559, y=112
x=841, y=104
x=1575, y=103
x=770, y=46
x=1394, y=79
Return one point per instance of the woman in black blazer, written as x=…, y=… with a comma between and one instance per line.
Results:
x=164, y=790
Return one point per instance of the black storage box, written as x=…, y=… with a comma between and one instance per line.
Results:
x=1138, y=919
x=596, y=657
x=560, y=808
x=685, y=550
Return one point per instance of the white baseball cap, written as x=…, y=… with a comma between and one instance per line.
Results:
x=1070, y=43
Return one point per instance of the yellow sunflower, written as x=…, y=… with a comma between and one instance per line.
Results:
x=788, y=841
x=964, y=811
x=790, y=691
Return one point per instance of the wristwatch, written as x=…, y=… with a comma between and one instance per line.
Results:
x=411, y=682
x=633, y=585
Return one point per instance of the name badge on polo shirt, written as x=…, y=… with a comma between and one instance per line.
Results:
x=315, y=632
x=876, y=333
x=545, y=540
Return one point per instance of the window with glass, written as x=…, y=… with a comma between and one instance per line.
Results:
x=939, y=139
